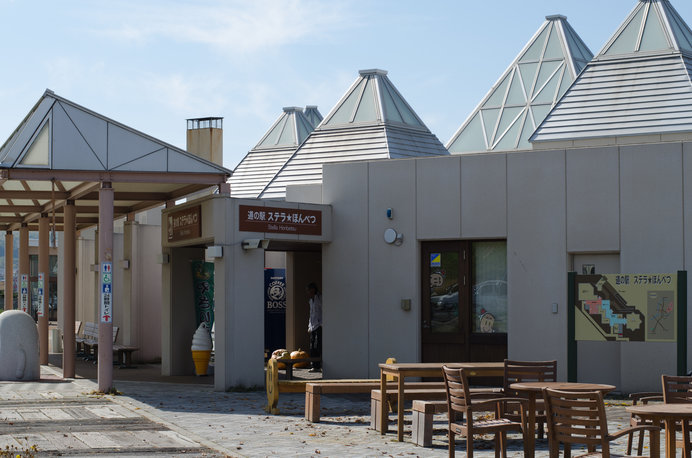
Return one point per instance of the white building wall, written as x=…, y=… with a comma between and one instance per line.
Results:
x=438, y=195
x=345, y=278
x=651, y=208
x=536, y=257
x=484, y=196
x=393, y=185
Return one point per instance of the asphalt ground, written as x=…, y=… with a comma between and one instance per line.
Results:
x=154, y=417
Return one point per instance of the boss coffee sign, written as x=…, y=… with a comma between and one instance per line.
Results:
x=281, y=220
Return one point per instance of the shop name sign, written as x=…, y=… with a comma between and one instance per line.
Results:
x=280, y=220
x=185, y=224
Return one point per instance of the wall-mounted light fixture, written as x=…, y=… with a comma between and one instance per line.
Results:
x=213, y=252
x=251, y=244
x=392, y=237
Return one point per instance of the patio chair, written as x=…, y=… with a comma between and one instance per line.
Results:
x=462, y=405
x=579, y=418
x=643, y=397
x=678, y=390
x=529, y=371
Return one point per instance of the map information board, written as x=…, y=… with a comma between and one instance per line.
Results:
x=626, y=307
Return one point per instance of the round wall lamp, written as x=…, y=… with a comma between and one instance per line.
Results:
x=391, y=236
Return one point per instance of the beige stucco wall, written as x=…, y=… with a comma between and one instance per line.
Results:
x=621, y=207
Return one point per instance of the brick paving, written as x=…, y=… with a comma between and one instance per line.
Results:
x=152, y=418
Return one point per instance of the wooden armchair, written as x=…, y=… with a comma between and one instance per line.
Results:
x=678, y=390
x=529, y=371
x=580, y=418
x=462, y=405
x=635, y=420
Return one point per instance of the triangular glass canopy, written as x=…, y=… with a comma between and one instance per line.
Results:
x=291, y=129
x=638, y=85
x=653, y=25
x=372, y=99
x=313, y=115
x=60, y=135
x=533, y=83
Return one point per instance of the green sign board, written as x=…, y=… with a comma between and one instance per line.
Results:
x=626, y=307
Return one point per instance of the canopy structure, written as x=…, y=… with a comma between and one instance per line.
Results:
x=526, y=91
x=276, y=147
x=639, y=84
x=63, y=152
x=74, y=168
x=371, y=121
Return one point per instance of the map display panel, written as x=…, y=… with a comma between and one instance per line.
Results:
x=626, y=307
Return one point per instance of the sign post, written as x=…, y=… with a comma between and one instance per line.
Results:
x=41, y=302
x=107, y=292
x=24, y=296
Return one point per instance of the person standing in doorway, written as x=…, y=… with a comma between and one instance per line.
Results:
x=315, y=325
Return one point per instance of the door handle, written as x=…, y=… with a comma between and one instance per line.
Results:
x=426, y=324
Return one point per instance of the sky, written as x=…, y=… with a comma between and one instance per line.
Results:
x=153, y=64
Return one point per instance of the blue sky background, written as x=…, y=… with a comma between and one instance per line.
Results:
x=151, y=64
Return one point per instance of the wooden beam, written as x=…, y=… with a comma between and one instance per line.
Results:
x=42, y=195
x=119, y=176
x=125, y=195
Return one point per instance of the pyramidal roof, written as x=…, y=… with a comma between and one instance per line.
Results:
x=261, y=163
x=526, y=91
x=371, y=121
x=639, y=83
x=58, y=134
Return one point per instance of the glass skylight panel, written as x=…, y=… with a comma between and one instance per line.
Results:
x=540, y=112
x=273, y=136
x=366, y=111
x=627, y=40
x=536, y=49
x=653, y=38
x=526, y=133
x=287, y=135
x=471, y=138
x=567, y=81
x=345, y=111
x=38, y=153
x=509, y=140
x=390, y=111
x=516, y=94
x=546, y=71
x=548, y=92
x=498, y=95
x=553, y=50
x=304, y=128
x=682, y=33
x=490, y=117
x=404, y=110
x=508, y=116
x=528, y=74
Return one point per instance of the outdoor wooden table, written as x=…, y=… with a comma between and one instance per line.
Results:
x=670, y=414
x=402, y=370
x=532, y=389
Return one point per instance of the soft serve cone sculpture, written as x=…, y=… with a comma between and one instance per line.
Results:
x=201, y=349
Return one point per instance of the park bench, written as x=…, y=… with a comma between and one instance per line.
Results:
x=423, y=413
x=88, y=343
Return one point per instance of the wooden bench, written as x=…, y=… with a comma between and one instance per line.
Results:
x=423, y=413
x=274, y=386
x=89, y=336
x=426, y=394
x=88, y=345
x=314, y=390
x=124, y=355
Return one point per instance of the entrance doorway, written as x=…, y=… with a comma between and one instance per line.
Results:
x=464, y=301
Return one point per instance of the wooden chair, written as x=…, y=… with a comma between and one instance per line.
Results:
x=461, y=407
x=678, y=390
x=580, y=418
x=635, y=420
x=529, y=371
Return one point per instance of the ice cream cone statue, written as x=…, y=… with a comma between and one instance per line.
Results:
x=201, y=349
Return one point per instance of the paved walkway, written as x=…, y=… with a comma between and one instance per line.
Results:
x=169, y=419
